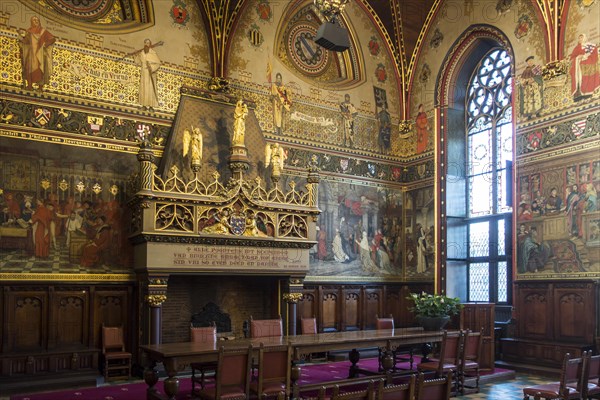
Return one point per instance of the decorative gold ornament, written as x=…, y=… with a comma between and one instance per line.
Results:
x=80, y=187
x=63, y=185
x=292, y=297
x=156, y=300
x=97, y=188
x=554, y=69
x=114, y=189
x=405, y=127
x=330, y=8
x=218, y=84
x=45, y=184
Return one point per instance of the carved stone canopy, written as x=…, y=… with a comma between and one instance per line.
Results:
x=195, y=223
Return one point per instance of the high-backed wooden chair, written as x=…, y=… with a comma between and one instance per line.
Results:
x=400, y=354
x=568, y=387
x=405, y=391
x=449, y=356
x=438, y=389
x=469, y=360
x=274, y=372
x=232, y=380
x=592, y=389
x=117, y=361
x=363, y=394
x=204, y=334
x=265, y=327
x=308, y=326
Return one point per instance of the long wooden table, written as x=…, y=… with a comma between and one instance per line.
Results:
x=177, y=356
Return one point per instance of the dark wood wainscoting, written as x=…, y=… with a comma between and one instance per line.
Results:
x=346, y=307
x=552, y=318
x=51, y=330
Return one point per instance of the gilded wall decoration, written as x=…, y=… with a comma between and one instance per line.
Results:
x=17, y=113
x=97, y=16
x=566, y=132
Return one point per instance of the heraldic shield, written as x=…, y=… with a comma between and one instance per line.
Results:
x=237, y=222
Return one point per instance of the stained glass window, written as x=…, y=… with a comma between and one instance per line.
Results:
x=489, y=147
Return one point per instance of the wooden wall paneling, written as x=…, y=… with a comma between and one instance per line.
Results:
x=69, y=328
x=307, y=307
x=329, y=309
x=373, y=301
x=351, y=308
x=27, y=318
x=393, y=304
x=535, y=308
x=111, y=307
x=475, y=316
x=574, y=303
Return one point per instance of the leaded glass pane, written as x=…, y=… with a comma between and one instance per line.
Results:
x=480, y=195
x=501, y=241
x=505, y=145
x=501, y=198
x=502, y=282
x=480, y=154
x=479, y=239
x=479, y=282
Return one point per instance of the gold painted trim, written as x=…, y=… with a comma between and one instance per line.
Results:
x=352, y=279
x=66, y=277
x=70, y=140
x=569, y=150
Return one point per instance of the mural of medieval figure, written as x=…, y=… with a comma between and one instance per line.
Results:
x=36, y=47
x=40, y=220
x=338, y=249
x=575, y=205
x=93, y=251
x=239, y=123
x=385, y=129
x=531, y=99
x=585, y=75
x=280, y=98
x=422, y=125
x=532, y=255
x=349, y=112
x=421, y=249
x=149, y=62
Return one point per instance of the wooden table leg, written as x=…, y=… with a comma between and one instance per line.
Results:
x=151, y=378
x=171, y=384
x=354, y=357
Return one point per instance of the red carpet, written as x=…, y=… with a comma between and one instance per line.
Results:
x=313, y=373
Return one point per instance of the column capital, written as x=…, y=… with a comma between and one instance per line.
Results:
x=292, y=297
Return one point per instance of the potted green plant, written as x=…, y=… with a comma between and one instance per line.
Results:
x=433, y=311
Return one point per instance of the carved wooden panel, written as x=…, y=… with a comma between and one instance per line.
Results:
x=475, y=316
x=330, y=320
x=27, y=320
x=351, y=307
x=573, y=303
x=535, y=310
x=70, y=325
x=373, y=307
x=111, y=308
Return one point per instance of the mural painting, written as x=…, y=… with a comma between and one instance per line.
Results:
x=63, y=211
x=373, y=234
x=558, y=221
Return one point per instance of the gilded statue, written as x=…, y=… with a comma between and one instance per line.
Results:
x=192, y=144
x=239, y=123
x=275, y=156
x=218, y=223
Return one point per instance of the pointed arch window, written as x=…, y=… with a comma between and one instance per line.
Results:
x=489, y=147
